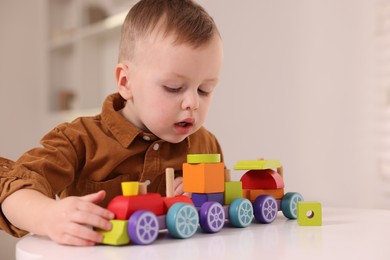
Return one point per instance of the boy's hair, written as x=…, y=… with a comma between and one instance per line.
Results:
x=190, y=23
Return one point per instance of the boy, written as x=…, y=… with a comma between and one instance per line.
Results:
x=169, y=65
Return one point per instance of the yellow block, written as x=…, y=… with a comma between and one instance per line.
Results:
x=203, y=158
x=130, y=188
x=309, y=213
x=233, y=190
x=117, y=235
x=257, y=164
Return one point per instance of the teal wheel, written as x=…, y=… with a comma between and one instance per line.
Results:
x=241, y=212
x=289, y=204
x=182, y=220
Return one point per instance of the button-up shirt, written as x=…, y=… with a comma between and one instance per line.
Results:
x=98, y=153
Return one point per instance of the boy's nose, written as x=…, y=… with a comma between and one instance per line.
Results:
x=191, y=101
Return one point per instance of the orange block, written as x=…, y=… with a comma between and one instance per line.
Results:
x=253, y=194
x=203, y=177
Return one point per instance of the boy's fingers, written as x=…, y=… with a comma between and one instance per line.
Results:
x=94, y=197
x=81, y=235
x=177, y=181
x=91, y=208
x=91, y=219
x=179, y=189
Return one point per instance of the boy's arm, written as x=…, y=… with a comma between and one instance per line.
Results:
x=64, y=221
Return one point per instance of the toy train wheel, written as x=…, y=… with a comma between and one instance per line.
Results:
x=265, y=209
x=212, y=217
x=143, y=227
x=289, y=204
x=241, y=212
x=182, y=220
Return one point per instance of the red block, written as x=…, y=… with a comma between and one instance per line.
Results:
x=124, y=206
x=168, y=202
x=262, y=179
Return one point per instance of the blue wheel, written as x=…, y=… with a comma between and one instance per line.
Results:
x=289, y=204
x=143, y=227
x=241, y=212
x=265, y=208
x=182, y=220
x=212, y=217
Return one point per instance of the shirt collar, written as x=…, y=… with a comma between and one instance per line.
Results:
x=123, y=130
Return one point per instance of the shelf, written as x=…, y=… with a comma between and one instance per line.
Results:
x=96, y=29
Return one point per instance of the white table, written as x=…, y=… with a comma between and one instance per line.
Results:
x=345, y=234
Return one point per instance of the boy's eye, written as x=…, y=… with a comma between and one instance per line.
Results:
x=171, y=89
x=203, y=93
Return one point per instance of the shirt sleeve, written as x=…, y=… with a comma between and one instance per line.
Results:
x=47, y=169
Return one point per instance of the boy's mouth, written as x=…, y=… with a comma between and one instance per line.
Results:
x=185, y=125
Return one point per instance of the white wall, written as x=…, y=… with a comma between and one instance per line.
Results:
x=22, y=80
x=22, y=75
x=298, y=86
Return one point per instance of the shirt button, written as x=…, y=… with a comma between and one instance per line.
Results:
x=146, y=138
x=156, y=147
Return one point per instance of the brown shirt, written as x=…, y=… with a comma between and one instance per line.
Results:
x=97, y=153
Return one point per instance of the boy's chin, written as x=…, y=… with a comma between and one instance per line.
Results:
x=174, y=139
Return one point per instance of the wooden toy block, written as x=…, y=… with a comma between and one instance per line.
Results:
x=142, y=188
x=199, y=198
x=170, y=177
x=203, y=158
x=203, y=177
x=309, y=213
x=233, y=190
x=124, y=206
x=262, y=179
x=257, y=164
x=117, y=235
x=228, y=176
x=168, y=202
x=253, y=194
x=130, y=188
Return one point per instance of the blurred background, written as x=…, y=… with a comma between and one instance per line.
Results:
x=306, y=82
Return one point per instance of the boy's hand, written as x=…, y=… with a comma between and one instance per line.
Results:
x=66, y=221
x=178, y=187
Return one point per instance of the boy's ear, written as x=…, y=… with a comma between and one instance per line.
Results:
x=122, y=81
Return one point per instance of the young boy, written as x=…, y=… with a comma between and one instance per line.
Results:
x=169, y=65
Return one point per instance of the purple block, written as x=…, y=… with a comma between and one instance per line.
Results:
x=200, y=198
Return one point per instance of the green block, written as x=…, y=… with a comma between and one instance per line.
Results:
x=203, y=158
x=309, y=213
x=117, y=235
x=233, y=190
x=257, y=164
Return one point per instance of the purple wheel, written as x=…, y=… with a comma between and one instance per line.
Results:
x=212, y=217
x=143, y=227
x=265, y=209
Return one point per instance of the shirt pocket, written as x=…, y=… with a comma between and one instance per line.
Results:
x=111, y=186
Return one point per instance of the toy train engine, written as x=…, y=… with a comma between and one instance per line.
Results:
x=140, y=217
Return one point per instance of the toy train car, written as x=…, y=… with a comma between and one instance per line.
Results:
x=215, y=199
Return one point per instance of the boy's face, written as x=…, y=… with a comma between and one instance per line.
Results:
x=169, y=87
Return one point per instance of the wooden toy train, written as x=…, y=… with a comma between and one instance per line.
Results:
x=139, y=216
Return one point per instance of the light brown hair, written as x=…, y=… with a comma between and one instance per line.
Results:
x=190, y=23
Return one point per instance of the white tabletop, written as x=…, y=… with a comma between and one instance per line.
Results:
x=345, y=234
